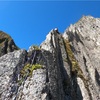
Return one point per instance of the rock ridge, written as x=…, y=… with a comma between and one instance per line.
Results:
x=64, y=67
x=6, y=44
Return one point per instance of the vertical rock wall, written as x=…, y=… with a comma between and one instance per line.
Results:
x=64, y=67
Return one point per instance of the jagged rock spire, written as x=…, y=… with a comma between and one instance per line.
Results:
x=64, y=67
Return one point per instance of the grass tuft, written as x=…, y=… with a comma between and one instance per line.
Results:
x=28, y=69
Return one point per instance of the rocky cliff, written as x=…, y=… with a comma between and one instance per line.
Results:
x=6, y=44
x=64, y=67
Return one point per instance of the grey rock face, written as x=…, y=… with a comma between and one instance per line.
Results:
x=33, y=87
x=10, y=66
x=64, y=67
x=84, y=38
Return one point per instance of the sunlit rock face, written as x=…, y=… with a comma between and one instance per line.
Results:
x=64, y=67
x=84, y=38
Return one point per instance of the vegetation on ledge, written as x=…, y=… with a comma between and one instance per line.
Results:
x=35, y=47
x=74, y=64
x=28, y=69
x=75, y=68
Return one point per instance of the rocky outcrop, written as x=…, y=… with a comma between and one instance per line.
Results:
x=64, y=67
x=6, y=44
x=85, y=45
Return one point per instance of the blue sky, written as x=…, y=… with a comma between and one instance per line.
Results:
x=28, y=22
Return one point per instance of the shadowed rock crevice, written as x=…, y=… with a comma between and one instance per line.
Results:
x=97, y=76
